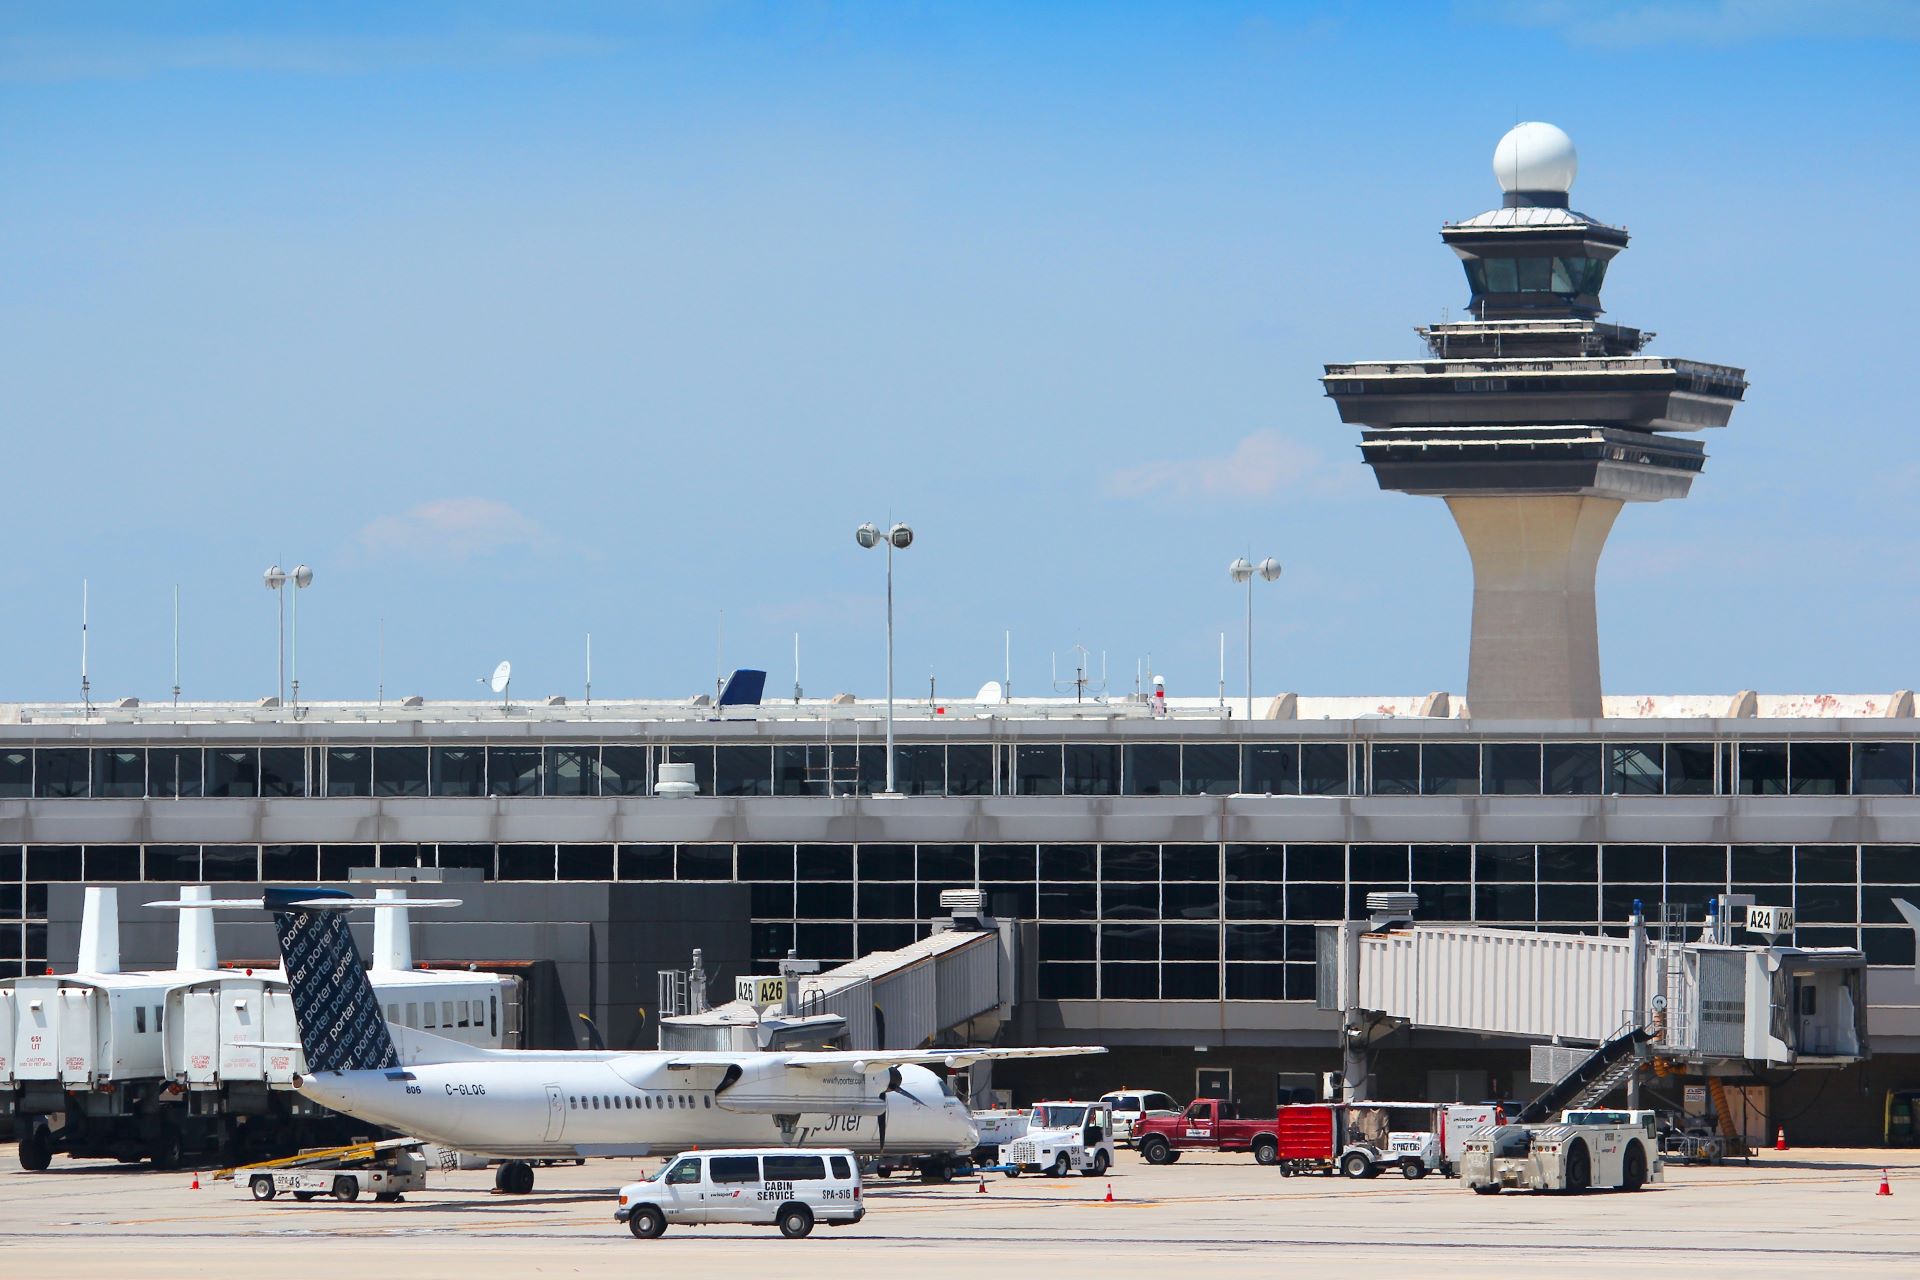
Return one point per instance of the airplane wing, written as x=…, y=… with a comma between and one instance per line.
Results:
x=882, y=1059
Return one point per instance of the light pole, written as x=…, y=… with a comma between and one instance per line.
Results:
x=275, y=579
x=901, y=537
x=1242, y=571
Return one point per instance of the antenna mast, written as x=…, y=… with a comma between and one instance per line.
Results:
x=86, y=688
x=176, y=644
x=589, y=668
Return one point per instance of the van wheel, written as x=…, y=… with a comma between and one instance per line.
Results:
x=1155, y=1149
x=1266, y=1151
x=796, y=1221
x=646, y=1222
x=345, y=1188
x=1062, y=1165
x=1098, y=1169
x=262, y=1187
x=36, y=1149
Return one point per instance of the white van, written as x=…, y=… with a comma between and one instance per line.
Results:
x=1130, y=1106
x=766, y=1186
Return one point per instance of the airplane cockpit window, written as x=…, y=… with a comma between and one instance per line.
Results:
x=685, y=1171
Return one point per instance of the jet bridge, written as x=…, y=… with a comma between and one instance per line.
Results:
x=1701, y=1003
x=954, y=987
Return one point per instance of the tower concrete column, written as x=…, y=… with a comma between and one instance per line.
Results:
x=1536, y=641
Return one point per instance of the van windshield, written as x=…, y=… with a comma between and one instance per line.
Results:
x=1058, y=1117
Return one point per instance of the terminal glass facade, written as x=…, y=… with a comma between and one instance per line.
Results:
x=1407, y=767
x=1190, y=921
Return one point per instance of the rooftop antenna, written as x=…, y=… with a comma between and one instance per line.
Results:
x=796, y=668
x=589, y=668
x=86, y=687
x=380, y=668
x=176, y=644
x=501, y=682
x=720, y=658
x=1008, y=685
x=1081, y=684
x=1223, y=671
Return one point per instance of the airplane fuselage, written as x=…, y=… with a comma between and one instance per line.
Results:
x=638, y=1104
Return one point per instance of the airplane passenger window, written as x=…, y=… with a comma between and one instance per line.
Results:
x=708, y=1101
x=446, y=1013
x=465, y=1019
x=158, y=1011
x=393, y=1013
x=413, y=1014
x=139, y=1016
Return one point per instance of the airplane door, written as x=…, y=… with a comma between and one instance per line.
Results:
x=556, y=1112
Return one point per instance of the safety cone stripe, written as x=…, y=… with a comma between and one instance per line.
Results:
x=1780, y=1139
x=1884, y=1190
x=1109, y=1199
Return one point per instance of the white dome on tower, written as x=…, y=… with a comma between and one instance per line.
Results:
x=1535, y=157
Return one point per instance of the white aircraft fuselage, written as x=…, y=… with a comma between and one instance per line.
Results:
x=565, y=1105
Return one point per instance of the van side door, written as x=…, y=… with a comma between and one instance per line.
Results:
x=683, y=1191
x=733, y=1190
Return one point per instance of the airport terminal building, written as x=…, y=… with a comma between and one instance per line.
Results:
x=1167, y=867
x=1168, y=864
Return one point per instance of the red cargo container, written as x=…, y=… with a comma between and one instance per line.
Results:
x=1309, y=1138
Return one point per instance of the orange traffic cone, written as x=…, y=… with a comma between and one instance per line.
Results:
x=1884, y=1190
x=196, y=1183
x=983, y=1187
x=1780, y=1139
x=1109, y=1199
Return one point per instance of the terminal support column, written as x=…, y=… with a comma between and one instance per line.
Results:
x=1536, y=645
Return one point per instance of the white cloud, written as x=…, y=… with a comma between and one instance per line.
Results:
x=453, y=528
x=1630, y=23
x=1259, y=466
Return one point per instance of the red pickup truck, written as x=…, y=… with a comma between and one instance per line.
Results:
x=1208, y=1124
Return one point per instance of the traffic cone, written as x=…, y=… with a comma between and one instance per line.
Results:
x=1109, y=1199
x=1780, y=1139
x=983, y=1186
x=1884, y=1190
x=196, y=1183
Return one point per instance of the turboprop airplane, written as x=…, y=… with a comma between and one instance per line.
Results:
x=523, y=1104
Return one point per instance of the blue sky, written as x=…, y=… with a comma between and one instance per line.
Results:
x=520, y=322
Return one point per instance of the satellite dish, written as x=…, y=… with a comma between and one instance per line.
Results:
x=502, y=677
x=990, y=692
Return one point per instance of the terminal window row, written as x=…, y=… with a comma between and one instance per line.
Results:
x=817, y=896
x=972, y=769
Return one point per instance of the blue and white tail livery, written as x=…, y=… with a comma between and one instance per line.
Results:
x=341, y=1027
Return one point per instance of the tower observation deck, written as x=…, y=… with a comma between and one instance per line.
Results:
x=1536, y=422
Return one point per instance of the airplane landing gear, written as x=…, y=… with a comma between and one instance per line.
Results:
x=514, y=1178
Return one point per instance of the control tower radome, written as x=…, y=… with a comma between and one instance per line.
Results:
x=1536, y=422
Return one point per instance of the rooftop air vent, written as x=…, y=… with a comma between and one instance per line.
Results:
x=1385, y=907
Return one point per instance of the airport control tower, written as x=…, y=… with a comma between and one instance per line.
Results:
x=1535, y=421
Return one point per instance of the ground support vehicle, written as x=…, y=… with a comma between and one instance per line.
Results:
x=1583, y=1150
x=773, y=1186
x=1208, y=1124
x=1063, y=1138
x=1130, y=1106
x=998, y=1129
x=384, y=1170
x=1364, y=1139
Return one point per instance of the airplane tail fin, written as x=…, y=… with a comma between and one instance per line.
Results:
x=743, y=689
x=341, y=1026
